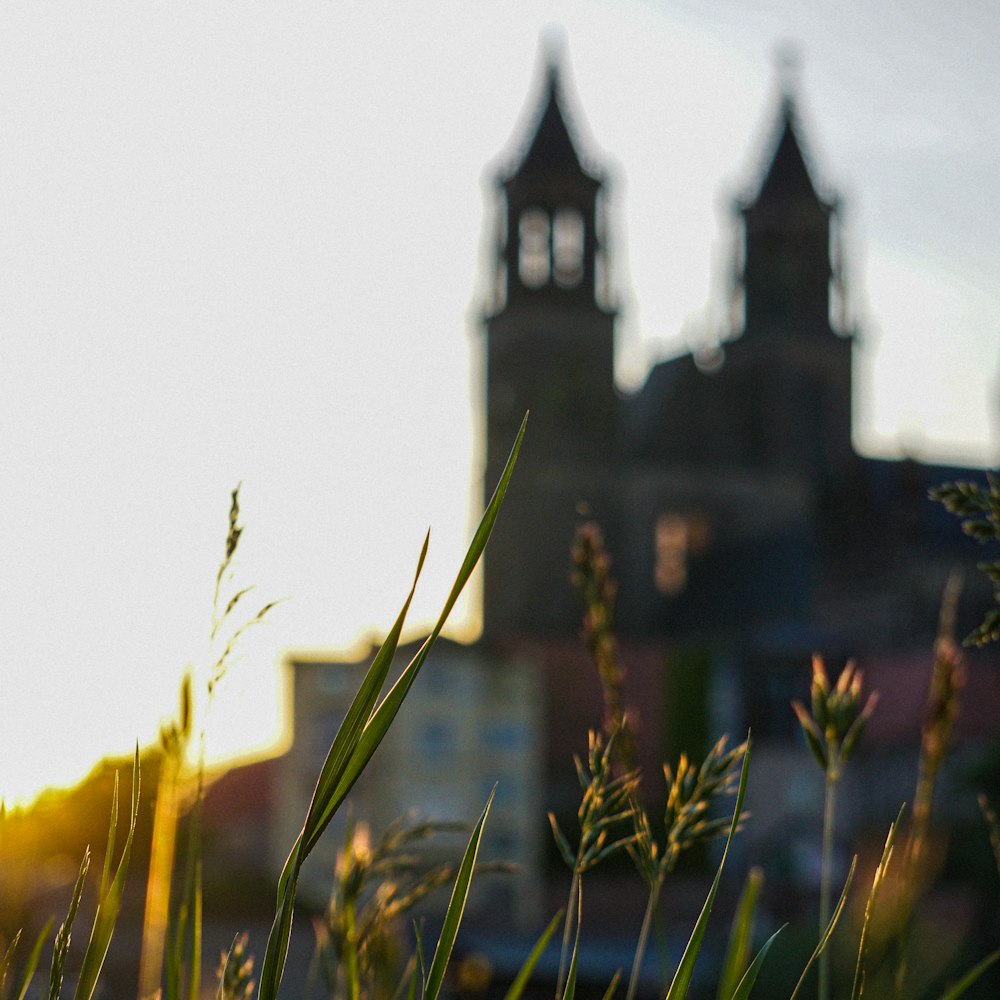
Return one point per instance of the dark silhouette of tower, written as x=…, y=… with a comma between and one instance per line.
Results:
x=550, y=351
x=742, y=522
x=801, y=413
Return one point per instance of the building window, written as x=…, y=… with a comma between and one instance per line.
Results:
x=500, y=288
x=533, y=262
x=677, y=537
x=567, y=247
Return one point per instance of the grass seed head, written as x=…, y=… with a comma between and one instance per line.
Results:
x=838, y=715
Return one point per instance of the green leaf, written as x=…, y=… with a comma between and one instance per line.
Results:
x=185, y=929
x=750, y=976
x=112, y=830
x=358, y=739
x=324, y=804
x=954, y=992
x=524, y=973
x=562, y=843
x=64, y=934
x=109, y=905
x=418, y=937
x=386, y=711
x=453, y=916
x=194, y=935
x=5, y=961
x=740, y=935
x=322, y=807
x=828, y=932
x=32, y=963
x=613, y=985
x=570, y=991
x=685, y=970
x=877, y=880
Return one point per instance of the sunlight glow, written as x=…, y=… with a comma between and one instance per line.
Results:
x=249, y=245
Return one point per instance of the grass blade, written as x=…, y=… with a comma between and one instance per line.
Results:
x=112, y=831
x=750, y=976
x=411, y=993
x=407, y=981
x=194, y=937
x=954, y=992
x=570, y=991
x=64, y=934
x=456, y=907
x=109, y=905
x=386, y=711
x=877, y=880
x=828, y=933
x=322, y=807
x=5, y=961
x=685, y=970
x=613, y=985
x=524, y=973
x=36, y=953
x=323, y=804
x=740, y=935
x=357, y=739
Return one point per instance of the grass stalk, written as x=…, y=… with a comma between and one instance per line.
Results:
x=523, y=976
x=652, y=902
x=571, y=918
x=737, y=959
x=359, y=735
x=826, y=873
x=161, y=866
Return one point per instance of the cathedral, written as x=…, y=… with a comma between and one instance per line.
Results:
x=746, y=534
x=741, y=520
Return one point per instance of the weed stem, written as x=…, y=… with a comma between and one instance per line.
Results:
x=640, y=948
x=571, y=917
x=829, y=809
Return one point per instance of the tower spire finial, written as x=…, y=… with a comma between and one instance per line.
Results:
x=553, y=44
x=788, y=67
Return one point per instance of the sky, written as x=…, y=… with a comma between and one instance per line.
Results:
x=248, y=244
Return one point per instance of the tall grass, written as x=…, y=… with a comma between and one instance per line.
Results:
x=379, y=884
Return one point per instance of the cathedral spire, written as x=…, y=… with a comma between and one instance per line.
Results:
x=551, y=233
x=787, y=268
x=551, y=152
x=549, y=349
x=788, y=175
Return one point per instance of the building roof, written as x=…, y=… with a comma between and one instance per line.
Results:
x=551, y=151
x=787, y=175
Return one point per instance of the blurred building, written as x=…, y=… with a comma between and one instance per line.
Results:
x=747, y=533
x=464, y=728
x=746, y=530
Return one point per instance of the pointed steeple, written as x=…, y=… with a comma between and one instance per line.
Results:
x=551, y=230
x=551, y=152
x=786, y=260
x=788, y=175
x=549, y=348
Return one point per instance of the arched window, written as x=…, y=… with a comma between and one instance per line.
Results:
x=567, y=247
x=534, y=238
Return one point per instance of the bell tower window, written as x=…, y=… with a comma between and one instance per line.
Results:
x=567, y=247
x=534, y=262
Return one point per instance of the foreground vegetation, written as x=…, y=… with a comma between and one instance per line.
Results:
x=360, y=953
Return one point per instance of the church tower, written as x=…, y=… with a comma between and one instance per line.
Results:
x=787, y=267
x=549, y=349
x=800, y=355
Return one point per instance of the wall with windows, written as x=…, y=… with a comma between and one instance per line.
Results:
x=470, y=722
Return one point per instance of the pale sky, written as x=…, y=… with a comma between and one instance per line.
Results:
x=245, y=243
